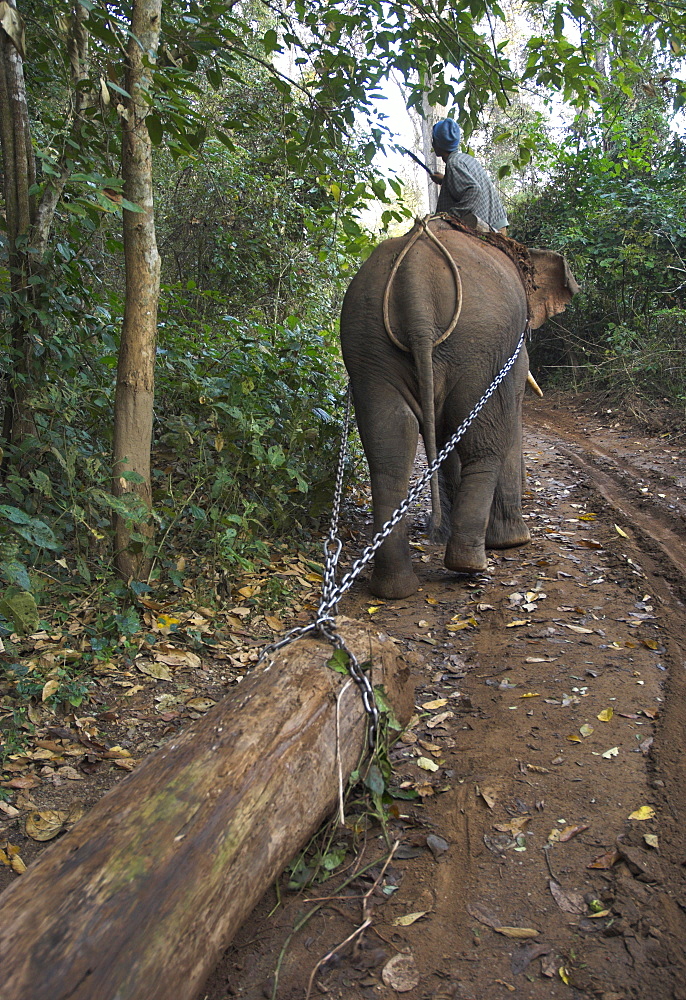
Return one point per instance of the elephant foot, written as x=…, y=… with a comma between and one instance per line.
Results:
x=507, y=535
x=393, y=586
x=461, y=558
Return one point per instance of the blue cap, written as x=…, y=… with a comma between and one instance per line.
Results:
x=446, y=135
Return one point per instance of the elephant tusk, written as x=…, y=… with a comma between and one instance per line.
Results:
x=534, y=385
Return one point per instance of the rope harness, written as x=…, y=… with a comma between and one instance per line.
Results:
x=423, y=228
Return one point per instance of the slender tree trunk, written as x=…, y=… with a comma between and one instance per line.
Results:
x=19, y=174
x=28, y=221
x=133, y=408
x=429, y=119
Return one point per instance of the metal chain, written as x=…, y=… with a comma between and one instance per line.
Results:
x=324, y=624
x=333, y=544
x=397, y=516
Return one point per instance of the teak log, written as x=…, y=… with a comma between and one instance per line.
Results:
x=138, y=901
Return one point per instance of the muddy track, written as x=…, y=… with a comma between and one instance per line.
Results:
x=621, y=480
x=518, y=672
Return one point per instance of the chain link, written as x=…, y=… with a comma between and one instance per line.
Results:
x=325, y=624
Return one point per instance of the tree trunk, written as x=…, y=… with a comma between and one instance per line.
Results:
x=428, y=120
x=28, y=222
x=133, y=408
x=19, y=174
x=141, y=897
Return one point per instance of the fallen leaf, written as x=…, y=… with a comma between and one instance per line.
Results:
x=438, y=720
x=569, y=900
x=200, y=704
x=489, y=795
x=581, y=629
x=537, y=769
x=612, y=752
x=605, y=715
x=157, y=670
x=430, y=706
x=651, y=840
x=643, y=813
x=49, y=688
x=25, y=781
x=571, y=831
x=401, y=973
x=166, y=621
x=484, y=916
x=457, y=625
x=620, y=532
x=606, y=861
x=426, y=764
x=44, y=824
x=585, y=730
x=517, y=932
x=530, y=694
x=518, y=623
x=409, y=918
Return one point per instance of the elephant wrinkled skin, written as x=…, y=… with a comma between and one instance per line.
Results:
x=431, y=387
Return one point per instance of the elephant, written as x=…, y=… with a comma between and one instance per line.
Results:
x=410, y=373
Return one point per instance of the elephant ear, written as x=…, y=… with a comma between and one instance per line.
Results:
x=554, y=286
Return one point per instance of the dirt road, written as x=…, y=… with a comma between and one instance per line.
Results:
x=541, y=838
x=544, y=857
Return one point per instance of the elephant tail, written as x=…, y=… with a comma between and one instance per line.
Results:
x=423, y=360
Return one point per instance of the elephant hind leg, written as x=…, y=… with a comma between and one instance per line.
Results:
x=389, y=431
x=506, y=526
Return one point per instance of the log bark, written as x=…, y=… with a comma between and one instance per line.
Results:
x=141, y=897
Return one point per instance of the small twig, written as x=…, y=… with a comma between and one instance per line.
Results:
x=322, y=961
x=376, y=881
x=546, y=852
x=310, y=913
x=366, y=921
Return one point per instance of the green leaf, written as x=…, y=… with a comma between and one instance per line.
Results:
x=19, y=607
x=374, y=780
x=270, y=41
x=155, y=129
x=15, y=573
x=339, y=661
